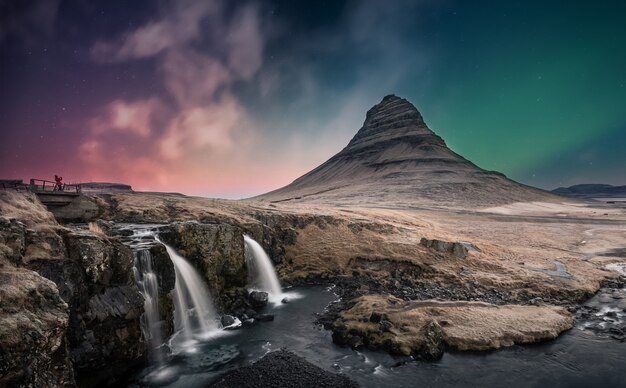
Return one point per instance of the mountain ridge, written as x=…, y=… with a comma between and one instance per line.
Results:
x=396, y=158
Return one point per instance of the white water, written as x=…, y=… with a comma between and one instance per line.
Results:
x=194, y=314
x=149, y=288
x=262, y=271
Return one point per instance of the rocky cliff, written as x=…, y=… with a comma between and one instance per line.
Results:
x=69, y=306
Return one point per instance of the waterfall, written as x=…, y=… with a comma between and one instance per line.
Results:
x=262, y=269
x=194, y=312
x=149, y=288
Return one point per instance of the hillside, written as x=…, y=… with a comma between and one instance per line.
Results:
x=396, y=160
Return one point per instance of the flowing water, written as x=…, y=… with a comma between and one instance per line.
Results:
x=149, y=287
x=262, y=273
x=585, y=356
x=193, y=307
x=578, y=358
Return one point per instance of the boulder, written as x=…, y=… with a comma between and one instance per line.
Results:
x=258, y=298
x=230, y=323
x=459, y=249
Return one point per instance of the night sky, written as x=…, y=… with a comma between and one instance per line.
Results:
x=232, y=98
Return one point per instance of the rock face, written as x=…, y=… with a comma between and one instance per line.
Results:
x=215, y=250
x=70, y=297
x=396, y=159
x=457, y=249
x=33, y=320
x=96, y=280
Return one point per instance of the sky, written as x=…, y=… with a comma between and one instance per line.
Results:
x=235, y=98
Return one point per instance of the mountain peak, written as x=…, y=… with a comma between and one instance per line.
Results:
x=393, y=117
x=395, y=158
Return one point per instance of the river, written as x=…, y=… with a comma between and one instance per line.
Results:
x=578, y=358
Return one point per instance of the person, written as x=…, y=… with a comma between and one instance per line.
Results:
x=59, y=182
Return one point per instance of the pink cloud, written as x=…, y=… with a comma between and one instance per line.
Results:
x=203, y=133
x=135, y=117
x=211, y=128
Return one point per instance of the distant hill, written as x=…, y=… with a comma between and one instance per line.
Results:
x=105, y=187
x=592, y=191
x=395, y=159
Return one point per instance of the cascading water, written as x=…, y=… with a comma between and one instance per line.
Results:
x=194, y=312
x=149, y=287
x=262, y=270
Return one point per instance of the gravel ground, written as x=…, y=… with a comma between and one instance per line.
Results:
x=282, y=369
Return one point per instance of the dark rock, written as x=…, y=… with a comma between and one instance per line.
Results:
x=376, y=317
x=215, y=250
x=264, y=317
x=228, y=320
x=386, y=326
x=285, y=300
x=355, y=341
x=282, y=369
x=433, y=347
x=258, y=298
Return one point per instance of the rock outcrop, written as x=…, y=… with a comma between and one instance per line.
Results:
x=72, y=295
x=423, y=328
x=215, y=250
x=33, y=321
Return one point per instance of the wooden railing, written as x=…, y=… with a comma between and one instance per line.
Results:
x=44, y=186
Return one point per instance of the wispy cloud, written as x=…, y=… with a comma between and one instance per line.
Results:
x=197, y=128
x=200, y=51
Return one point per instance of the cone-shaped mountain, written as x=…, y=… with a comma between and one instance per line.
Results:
x=396, y=159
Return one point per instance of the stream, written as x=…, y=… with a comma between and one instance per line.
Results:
x=581, y=357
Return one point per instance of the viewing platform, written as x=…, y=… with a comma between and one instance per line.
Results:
x=53, y=194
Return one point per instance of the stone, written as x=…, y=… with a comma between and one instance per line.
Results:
x=264, y=317
x=433, y=346
x=258, y=298
x=230, y=323
x=456, y=249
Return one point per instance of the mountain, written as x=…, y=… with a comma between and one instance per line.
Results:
x=590, y=190
x=395, y=159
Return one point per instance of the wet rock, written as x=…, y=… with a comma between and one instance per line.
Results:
x=215, y=250
x=230, y=323
x=355, y=341
x=228, y=320
x=258, y=298
x=433, y=346
x=264, y=317
x=285, y=300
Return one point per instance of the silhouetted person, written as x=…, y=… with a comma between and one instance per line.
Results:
x=59, y=182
